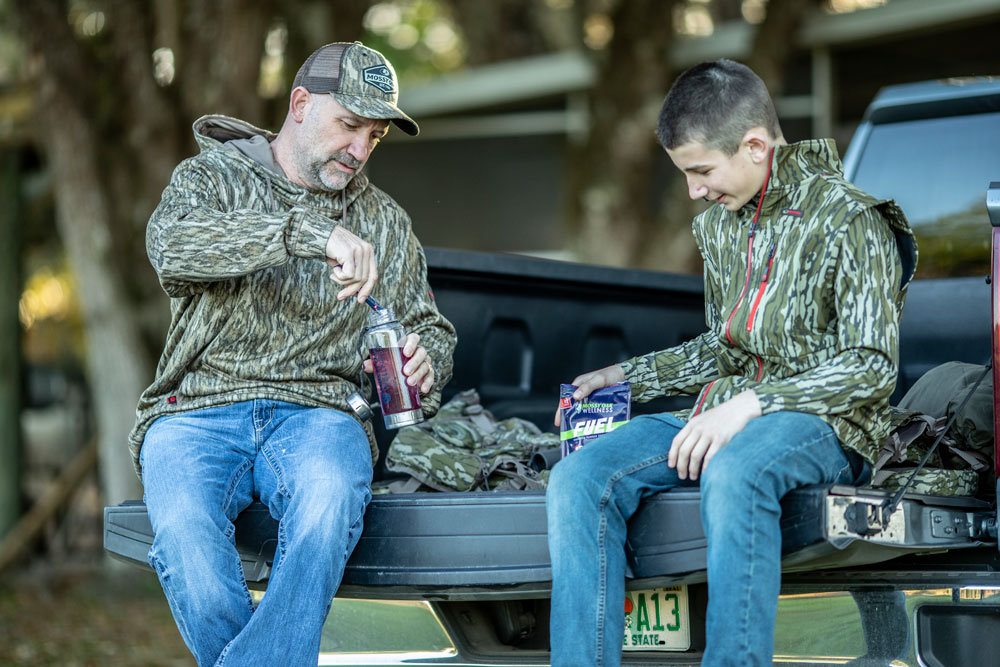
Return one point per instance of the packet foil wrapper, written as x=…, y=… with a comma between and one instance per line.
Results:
x=602, y=412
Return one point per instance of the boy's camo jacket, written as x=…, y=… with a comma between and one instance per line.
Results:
x=241, y=252
x=802, y=305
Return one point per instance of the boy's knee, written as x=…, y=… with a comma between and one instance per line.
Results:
x=725, y=477
x=567, y=489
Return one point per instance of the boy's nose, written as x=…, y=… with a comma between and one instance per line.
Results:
x=696, y=190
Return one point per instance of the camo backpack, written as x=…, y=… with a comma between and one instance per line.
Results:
x=962, y=459
x=465, y=448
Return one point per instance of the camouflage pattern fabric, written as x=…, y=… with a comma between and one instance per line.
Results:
x=241, y=252
x=931, y=481
x=954, y=469
x=464, y=448
x=803, y=308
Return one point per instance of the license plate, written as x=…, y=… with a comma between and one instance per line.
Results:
x=657, y=619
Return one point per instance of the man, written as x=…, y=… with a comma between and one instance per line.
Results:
x=804, y=283
x=250, y=395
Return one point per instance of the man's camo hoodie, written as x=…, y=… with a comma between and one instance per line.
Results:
x=240, y=250
x=804, y=287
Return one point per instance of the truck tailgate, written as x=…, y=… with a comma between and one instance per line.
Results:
x=479, y=545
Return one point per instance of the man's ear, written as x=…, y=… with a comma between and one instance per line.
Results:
x=757, y=142
x=299, y=103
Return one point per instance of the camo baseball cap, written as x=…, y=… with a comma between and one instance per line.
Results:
x=359, y=78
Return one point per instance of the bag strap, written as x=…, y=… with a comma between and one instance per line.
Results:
x=902, y=437
x=521, y=476
x=889, y=505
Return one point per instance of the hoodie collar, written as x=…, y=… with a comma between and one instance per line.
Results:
x=212, y=131
x=791, y=164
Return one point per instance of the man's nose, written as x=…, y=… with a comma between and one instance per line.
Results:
x=360, y=148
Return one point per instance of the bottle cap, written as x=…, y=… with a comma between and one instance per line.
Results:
x=381, y=316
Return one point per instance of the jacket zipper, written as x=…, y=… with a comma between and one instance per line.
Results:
x=746, y=283
x=756, y=302
x=753, y=229
x=760, y=290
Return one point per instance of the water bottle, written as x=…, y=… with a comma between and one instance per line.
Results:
x=384, y=339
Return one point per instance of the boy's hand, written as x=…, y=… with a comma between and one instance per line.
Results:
x=588, y=382
x=695, y=445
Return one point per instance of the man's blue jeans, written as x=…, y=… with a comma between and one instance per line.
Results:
x=311, y=467
x=594, y=491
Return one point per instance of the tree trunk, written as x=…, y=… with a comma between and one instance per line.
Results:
x=117, y=368
x=117, y=364
x=10, y=338
x=500, y=29
x=612, y=215
x=773, y=44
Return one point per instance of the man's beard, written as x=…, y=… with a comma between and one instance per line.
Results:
x=318, y=170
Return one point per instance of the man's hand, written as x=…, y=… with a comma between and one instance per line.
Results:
x=418, y=369
x=588, y=382
x=353, y=262
x=695, y=445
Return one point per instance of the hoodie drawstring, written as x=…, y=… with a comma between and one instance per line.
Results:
x=281, y=268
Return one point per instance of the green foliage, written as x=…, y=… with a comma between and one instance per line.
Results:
x=419, y=37
x=957, y=244
x=355, y=626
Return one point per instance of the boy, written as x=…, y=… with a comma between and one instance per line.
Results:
x=805, y=279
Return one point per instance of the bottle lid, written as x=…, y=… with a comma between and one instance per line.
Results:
x=381, y=316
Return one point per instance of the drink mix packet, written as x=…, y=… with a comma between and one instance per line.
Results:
x=603, y=411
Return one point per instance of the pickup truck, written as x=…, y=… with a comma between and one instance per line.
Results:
x=480, y=560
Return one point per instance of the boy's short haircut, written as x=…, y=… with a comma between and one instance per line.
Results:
x=715, y=103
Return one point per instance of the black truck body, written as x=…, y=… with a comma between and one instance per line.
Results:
x=525, y=325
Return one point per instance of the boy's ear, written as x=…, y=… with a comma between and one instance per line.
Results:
x=758, y=144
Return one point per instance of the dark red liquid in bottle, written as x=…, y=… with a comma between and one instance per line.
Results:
x=394, y=395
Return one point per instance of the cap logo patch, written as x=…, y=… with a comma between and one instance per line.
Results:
x=379, y=76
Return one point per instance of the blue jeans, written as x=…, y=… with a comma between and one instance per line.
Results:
x=312, y=468
x=593, y=492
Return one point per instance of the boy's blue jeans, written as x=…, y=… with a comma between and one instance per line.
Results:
x=312, y=468
x=594, y=491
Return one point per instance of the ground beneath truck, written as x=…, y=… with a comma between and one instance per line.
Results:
x=78, y=614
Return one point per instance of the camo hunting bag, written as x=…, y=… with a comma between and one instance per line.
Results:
x=962, y=459
x=465, y=448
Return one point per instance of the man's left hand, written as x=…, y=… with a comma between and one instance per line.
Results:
x=695, y=445
x=417, y=369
